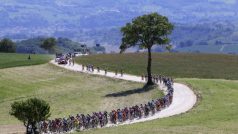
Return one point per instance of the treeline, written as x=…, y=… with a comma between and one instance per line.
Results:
x=7, y=46
x=45, y=45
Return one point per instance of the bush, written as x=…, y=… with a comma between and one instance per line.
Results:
x=30, y=112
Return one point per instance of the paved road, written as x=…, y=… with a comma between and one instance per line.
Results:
x=183, y=100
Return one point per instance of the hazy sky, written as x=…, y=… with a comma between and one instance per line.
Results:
x=225, y=1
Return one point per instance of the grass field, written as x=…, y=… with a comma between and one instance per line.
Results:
x=176, y=65
x=13, y=60
x=211, y=48
x=68, y=93
x=216, y=113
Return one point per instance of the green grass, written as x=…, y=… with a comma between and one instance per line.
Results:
x=13, y=60
x=203, y=49
x=67, y=92
x=210, y=48
x=175, y=65
x=216, y=113
x=70, y=93
x=217, y=108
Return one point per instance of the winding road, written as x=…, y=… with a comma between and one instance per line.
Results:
x=183, y=99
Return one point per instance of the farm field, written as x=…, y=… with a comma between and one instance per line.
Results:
x=217, y=107
x=13, y=60
x=215, y=66
x=215, y=113
x=68, y=93
x=210, y=49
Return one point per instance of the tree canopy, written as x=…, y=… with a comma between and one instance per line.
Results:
x=30, y=112
x=7, y=46
x=146, y=31
x=49, y=44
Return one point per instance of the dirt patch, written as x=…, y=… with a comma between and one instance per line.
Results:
x=12, y=129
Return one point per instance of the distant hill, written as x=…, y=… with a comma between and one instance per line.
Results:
x=32, y=45
x=63, y=45
x=212, y=37
x=91, y=22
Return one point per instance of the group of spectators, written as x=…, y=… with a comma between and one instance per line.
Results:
x=82, y=122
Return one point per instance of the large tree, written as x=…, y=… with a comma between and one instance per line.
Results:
x=49, y=44
x=146, y=31
x=30, y=112
x=7, y=46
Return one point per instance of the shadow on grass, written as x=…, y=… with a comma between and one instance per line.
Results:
x=144, y=89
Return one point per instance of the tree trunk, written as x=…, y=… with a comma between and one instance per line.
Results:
x=28, y=129
x=34, y=128
x=149, y=82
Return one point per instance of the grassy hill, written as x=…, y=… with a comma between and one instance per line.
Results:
x=68, y=93
x=175, y=65
x=227, y=49
x=13, y=60
x=216, y=110
x=216, y=113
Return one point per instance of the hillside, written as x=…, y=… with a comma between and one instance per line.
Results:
x=91, y=22
x=70, y=93
x=8, y=60
x=63, y=45
x=215, y=113
x=176, y=65
x=32, y=45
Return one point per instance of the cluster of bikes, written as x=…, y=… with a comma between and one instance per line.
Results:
x=82, y=122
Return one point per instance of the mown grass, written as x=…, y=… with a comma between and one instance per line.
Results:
x=216, y=66
x=68, y=93
x=216, y=113
x=13, y=60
